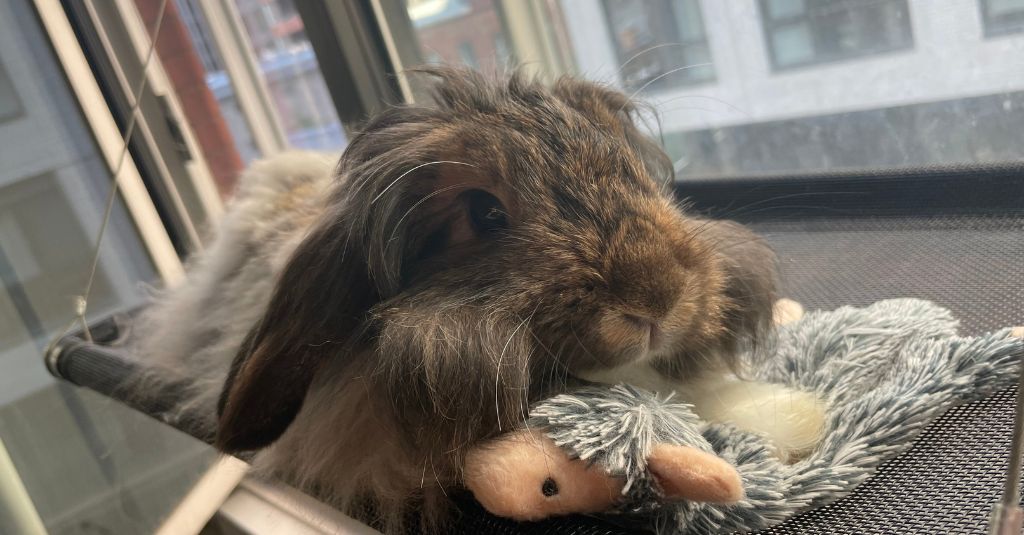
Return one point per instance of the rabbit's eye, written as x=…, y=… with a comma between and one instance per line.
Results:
x=486, y=212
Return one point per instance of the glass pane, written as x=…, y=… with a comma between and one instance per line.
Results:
x=203, y=90
x=286, y=63
x=794, y=86
x=87, y=464
x=1003, y=16
x=780, y=9
x=688, y=20
x=202, y=46
x=854, y=31
x=660, y=43
x=832, y=31
x=792, y=44
x=998, y=8
x=291, y=73
x=469, y=32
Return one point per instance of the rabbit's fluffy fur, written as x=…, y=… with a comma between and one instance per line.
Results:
x=194, y=330
x=362, y=322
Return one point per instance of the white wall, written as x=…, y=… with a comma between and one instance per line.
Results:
x=950, y=58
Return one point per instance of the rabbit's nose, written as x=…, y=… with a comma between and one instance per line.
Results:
x=652, y=327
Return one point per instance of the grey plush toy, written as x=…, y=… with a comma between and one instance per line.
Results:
x=885, y=371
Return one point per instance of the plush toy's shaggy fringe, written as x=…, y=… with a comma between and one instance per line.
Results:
x=886, y=371
x=616, y=427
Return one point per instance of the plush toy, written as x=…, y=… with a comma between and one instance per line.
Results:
x=525, y=475
x=885, y=370
x=600, y=445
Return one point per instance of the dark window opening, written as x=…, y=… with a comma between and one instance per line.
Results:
x=1001, y=17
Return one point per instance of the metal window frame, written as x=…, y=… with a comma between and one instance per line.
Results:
x=273, y=507
x=15, y=502
x=768, y=25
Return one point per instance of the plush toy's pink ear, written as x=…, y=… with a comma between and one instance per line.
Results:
x=690, y=474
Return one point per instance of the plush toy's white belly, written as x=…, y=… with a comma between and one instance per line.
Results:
x=791, y=419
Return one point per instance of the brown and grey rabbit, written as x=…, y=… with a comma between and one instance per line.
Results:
x=361, y=325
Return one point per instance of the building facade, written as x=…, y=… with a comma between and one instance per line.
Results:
x=779, y=86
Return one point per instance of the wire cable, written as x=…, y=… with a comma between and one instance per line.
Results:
x=82, y=301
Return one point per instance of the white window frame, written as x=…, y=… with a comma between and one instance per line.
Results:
x=98, y=117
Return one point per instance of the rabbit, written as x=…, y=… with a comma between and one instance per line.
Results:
x=357, y=326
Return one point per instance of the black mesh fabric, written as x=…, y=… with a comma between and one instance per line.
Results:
x=952, y=475
x=972, y=265
x=946, y=483
x=950, y=478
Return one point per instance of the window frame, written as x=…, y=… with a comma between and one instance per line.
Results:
x=164, y=148
x=768, y=25
x=117, y=57
x=98, y=117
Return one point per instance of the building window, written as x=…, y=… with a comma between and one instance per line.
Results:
x=1002, y=16
x=805, y=32
x=659, y=43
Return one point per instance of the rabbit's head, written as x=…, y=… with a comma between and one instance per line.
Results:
x=476, y=253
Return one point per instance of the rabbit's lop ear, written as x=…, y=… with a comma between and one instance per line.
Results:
x=316, y=310
x=322, y=297
x=408, y=200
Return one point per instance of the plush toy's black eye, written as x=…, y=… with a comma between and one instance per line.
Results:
x=549, y=488
x=486, y=212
